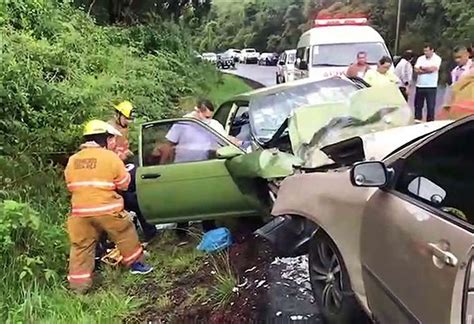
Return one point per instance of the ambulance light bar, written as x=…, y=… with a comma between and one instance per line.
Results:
x=340, y=22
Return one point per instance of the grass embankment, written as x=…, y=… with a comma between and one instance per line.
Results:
x=57, y=70
x=118, y=295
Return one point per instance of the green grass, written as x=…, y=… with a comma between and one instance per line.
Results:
x=230, y=87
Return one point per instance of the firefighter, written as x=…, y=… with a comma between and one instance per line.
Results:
x=121, y=121
x=93, y=176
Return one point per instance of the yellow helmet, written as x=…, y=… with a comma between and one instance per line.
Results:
x=97, y=126
x=125, y=108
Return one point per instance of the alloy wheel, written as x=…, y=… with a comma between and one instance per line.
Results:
x=326, y=277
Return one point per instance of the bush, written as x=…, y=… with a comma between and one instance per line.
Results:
x=58, y=69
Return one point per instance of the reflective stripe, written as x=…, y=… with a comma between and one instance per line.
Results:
x=86, y=276
x=134, y=256
x=95, y=184
x=125, y=179
x=93, y=210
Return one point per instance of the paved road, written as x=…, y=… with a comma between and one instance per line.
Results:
x=266, y=76
x=262, y=74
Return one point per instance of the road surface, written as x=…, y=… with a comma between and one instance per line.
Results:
x=266, y=76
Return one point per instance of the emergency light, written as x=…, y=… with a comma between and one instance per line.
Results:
x=339, y=20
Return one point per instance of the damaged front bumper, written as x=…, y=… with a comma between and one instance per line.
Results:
x=289, y=235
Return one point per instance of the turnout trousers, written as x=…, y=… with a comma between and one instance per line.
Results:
x=84, y=232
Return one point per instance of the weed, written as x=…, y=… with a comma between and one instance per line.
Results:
x=226, y=281
x=198, y=296
x=164, y=302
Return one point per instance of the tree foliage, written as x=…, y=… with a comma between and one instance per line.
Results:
x=277, y=24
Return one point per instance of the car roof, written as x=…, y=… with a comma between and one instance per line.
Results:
x=290, y=51
x=274, y=89
x=340, y=35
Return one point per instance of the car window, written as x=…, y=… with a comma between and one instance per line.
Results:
x=441, y=173
x=222, y=114
x=345, y=54
x=240, y=128
x=178, y=142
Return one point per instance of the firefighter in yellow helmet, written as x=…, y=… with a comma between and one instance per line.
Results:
x=93, y=176
x=121, y=122
x=123, y=117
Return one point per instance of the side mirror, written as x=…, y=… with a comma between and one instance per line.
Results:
x=427, y=190
x=281, y=63
x=369, y=174
x=228, y=152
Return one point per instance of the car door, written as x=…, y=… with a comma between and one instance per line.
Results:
x=188, y=181
x=417, y=234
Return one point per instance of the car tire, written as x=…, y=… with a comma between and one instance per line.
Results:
x=330, y=282
x=277, y=79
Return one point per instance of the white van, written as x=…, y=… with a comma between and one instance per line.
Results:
x=286, y=66
x=332, y=45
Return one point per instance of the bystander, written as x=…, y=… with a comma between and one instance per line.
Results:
x=427, y=70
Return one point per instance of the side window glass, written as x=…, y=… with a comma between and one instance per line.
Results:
x=441, y=173
x=178, y=142
x=240, y=128
x=299, y=56
x=222, y=114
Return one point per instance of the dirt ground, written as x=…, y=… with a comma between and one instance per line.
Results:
x=188, y=299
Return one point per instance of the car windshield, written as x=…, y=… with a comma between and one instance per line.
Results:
x=268, y=112
x=291, y=58
x=345, y=54
x=251, y=50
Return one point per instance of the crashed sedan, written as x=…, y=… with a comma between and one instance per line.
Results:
x=391, y=236
x=283, y=128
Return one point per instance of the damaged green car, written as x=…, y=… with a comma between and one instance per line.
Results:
x=188, y=171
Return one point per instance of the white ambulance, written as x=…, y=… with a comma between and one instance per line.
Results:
x=332, y=45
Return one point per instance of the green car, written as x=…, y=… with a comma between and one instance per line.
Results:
x=202, y=175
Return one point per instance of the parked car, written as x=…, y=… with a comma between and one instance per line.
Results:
x=393, y=236
x=268, y=59
x=286, y=67
x=280, y=127
x=210, y=57
x=249, y=56
x=235, y=54
x=225, y=61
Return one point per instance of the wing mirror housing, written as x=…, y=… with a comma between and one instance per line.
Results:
x=427, y=190
x=281, y=63
x=228, y=152
x=370, y=174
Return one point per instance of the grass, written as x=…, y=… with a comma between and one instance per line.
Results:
x=226, y=280
x=230, y=87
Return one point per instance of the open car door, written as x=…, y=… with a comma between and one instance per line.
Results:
x=183, y=174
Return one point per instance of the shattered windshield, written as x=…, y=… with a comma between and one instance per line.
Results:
x=268, y=112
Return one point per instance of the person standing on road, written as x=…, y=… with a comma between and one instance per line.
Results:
x=121, y=122
x=359, y=68
x=427, y=70
x=382, y=75
x=404, y=71
x=93, y=176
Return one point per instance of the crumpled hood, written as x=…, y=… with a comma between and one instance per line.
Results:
x=368, y=110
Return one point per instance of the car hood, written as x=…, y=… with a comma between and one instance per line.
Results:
x=376, y=146
x=368, y=110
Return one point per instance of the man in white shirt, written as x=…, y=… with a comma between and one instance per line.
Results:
x=463, y=63
x=427, y=69
x=404, y=71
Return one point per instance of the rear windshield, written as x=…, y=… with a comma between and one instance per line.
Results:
x=251, y=50
x=345, y=54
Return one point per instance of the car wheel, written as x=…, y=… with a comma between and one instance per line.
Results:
x=277, y=79
x=330, y=282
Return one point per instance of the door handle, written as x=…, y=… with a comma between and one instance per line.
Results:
x=151, y=176
x=446, y=257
